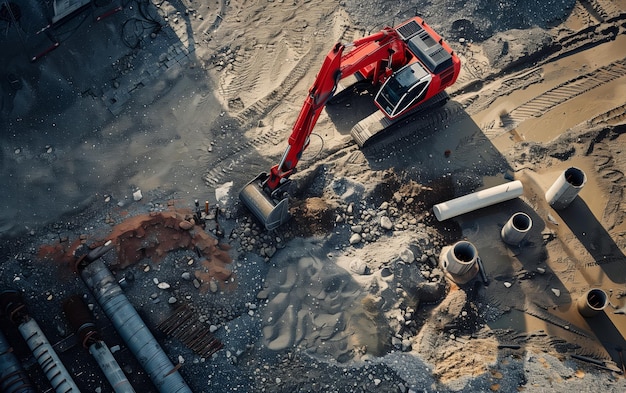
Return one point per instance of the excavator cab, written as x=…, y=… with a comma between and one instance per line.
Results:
x=404, y=89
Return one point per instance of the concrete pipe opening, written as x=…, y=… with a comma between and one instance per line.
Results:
x=464, y=251
x=516, y=229
x=521, y=222
x=566, y=187
x=460, y=258
x=575, y=177
x=592, y=302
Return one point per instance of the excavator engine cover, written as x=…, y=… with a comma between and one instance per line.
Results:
x=272, y=214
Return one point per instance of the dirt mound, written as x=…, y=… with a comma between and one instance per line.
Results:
x=312, y=216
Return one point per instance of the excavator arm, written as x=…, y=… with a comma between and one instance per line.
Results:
x=320, y=92
x=368, y=54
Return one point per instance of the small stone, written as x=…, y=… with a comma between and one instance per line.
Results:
x=172, y=300
x=212, y=328
x=541, y=270
x=163, y=285
x=556, y=292
x=185, y=225
x=196, y=283
x=377, y=381
x=552, y=220
x=507, y=284
x=386, y=223
x=137, y=196
x=355, y=238
x=407, y=256
x=186, y=276
x=356, y=228
x=213, y=286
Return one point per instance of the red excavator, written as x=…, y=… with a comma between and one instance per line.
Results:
x=410, y=63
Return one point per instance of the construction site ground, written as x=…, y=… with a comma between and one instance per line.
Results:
x=123, y=131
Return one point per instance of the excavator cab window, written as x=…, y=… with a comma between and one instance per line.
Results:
x=405, y=88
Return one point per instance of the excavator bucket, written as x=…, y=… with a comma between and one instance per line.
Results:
x=271, y=214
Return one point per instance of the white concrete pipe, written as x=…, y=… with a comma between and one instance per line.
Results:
x=460, y=258
x=478, y=200
x=516, y=229
x=564, y=190
x=592, y=302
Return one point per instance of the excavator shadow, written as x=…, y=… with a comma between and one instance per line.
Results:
x=441, y=141
x=349, y=107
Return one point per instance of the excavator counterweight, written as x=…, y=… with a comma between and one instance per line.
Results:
x=410, y=65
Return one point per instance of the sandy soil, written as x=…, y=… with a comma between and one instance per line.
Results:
x=192, y=99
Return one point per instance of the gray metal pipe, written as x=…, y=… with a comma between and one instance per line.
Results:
x=81, y=320
x=12, y=305
x=132, y=329
x=48, y=360
x=13, y=377
x=110, y=368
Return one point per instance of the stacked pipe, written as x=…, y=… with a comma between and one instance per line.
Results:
x=130, y=326
x=12, y=305
x=83, y=323
x=13, y=377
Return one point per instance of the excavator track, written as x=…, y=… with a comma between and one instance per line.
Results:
x=369, y=129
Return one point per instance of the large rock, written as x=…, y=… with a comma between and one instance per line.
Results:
x=385, y=223
x=355, y=238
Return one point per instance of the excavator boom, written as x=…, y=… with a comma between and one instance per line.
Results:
x=412, y=65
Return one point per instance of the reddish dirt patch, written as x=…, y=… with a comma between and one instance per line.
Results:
x=151, y=236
